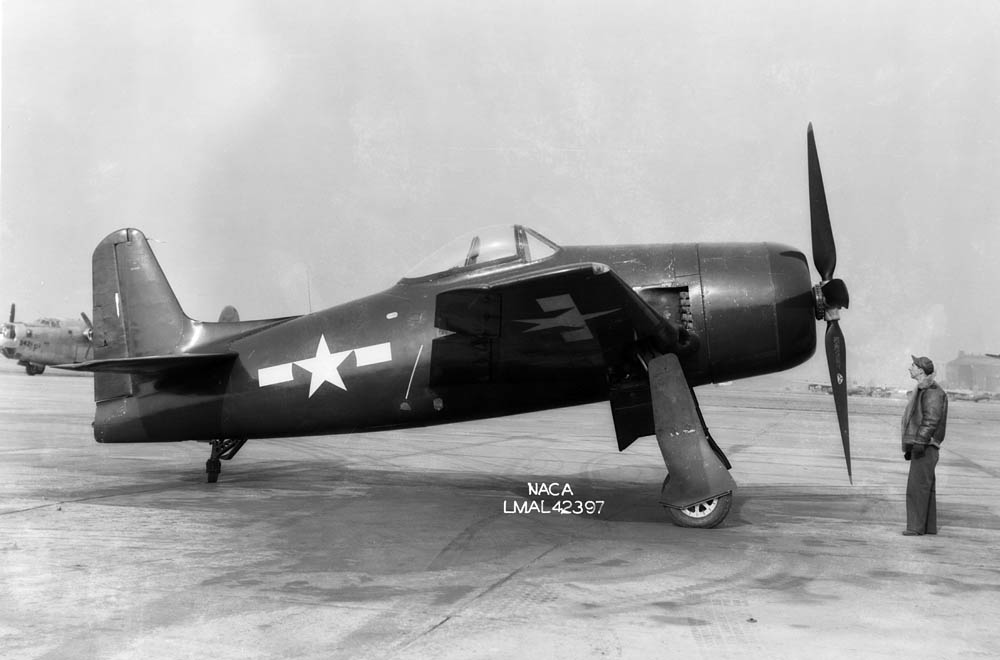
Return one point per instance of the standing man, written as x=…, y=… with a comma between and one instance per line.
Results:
x=923, y=427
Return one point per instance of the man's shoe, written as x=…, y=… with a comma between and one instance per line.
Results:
x=910, y=532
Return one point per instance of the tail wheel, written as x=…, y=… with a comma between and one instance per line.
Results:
x=703, y=515
x=213, y=467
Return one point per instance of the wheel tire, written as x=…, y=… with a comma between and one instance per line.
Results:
x=703, y=515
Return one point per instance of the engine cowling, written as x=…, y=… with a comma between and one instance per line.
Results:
x=758, y=310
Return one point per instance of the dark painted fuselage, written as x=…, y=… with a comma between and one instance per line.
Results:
x=370, y=363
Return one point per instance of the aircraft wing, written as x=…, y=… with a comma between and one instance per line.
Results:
x=530, y=325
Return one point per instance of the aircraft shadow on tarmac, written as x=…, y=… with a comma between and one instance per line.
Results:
x=626, y=501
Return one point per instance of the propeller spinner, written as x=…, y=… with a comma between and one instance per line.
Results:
x=830, y=294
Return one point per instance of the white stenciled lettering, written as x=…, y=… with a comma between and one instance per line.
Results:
x=554, y=489
x=517, y=506
x=564, y=504
x=562, y=507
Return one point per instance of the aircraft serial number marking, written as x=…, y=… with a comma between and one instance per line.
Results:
x=562, y=507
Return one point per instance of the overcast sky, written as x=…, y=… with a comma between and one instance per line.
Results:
x=264, y=144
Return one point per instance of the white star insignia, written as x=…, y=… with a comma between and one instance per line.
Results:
x=324, y=366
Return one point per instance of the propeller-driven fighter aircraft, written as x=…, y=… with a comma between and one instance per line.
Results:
x=501, y=321
x=46, y=341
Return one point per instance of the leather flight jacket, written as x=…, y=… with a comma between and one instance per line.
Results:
x=926, y=417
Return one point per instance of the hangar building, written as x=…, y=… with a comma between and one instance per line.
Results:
x=973, y=372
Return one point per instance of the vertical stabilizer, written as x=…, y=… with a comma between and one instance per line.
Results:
x=136, y=313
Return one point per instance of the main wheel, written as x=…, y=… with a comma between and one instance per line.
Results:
x=704, y=514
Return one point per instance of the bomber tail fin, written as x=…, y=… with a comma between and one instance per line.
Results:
x=229, y=315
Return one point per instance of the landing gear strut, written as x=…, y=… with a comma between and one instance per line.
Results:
x=222, y=450
x=698, y=491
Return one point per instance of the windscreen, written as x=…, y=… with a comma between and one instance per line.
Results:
x=486, y=245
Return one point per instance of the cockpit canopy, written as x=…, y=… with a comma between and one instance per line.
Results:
x=487, y=247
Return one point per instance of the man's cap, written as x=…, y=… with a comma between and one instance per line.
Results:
x=924, y=363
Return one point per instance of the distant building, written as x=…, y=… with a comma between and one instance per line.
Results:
x=973, y=372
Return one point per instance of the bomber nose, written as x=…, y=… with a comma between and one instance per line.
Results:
x=8, y=340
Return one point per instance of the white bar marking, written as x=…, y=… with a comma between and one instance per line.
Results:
x=281, y=373
x=373, y=354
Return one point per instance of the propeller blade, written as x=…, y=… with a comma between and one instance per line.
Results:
x=836, y=359
x=12, y=312
x=823, y=248
x=89, y=332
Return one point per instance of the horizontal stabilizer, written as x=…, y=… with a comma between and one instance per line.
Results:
x=152, y=365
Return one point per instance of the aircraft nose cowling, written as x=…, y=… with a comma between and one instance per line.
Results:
x=759, y=310
x=8, y=340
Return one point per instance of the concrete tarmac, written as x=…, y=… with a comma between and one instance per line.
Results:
x=397, y=545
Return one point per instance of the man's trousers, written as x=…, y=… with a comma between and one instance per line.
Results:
x=921, y=499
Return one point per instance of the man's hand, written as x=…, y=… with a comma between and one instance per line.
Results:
x=919, y=451
x=906, y=455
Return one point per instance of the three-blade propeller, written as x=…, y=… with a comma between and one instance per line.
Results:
x=830, y=294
